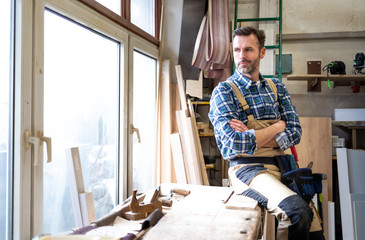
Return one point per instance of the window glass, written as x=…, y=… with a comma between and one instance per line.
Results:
x=5, y=116
x=113, y=5
x=144, y=112
x=143, y=15
x=81, y=108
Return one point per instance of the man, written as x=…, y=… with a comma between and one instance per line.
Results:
x=252, y=130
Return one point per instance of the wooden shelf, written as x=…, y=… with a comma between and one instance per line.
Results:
x=340, y=80
x=353, y=126
x=200, y=103
x=206, y=135
x=349, y=124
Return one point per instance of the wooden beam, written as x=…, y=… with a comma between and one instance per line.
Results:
x=126, y=9
x=198, y=146
x=178, y=158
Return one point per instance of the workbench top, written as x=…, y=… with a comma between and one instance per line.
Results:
x=203, y=215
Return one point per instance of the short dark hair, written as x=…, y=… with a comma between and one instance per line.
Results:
x=247, y=30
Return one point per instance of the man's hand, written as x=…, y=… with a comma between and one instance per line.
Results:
x=237, y=125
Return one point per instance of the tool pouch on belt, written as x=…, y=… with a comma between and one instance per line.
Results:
x=301, y=180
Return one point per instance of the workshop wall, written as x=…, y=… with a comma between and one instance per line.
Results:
x=327, y=27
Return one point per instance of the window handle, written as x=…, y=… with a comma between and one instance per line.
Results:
x=136, y=130
x=48, y=142
x=36, y=142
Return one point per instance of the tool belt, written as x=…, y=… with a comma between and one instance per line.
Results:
x=301, y=180
x=253, y=160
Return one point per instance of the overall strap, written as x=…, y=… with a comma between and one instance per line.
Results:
x=272, y=87
x=241, y=98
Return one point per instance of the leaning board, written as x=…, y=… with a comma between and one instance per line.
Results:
x=316, y=146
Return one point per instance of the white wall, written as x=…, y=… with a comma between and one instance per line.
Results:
x=318, y=21
x=312, y=16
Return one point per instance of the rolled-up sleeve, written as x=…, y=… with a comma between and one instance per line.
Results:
x=293, y=132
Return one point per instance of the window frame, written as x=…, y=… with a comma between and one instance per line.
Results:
x=136, y=44
x=124, y=19
x=28, y=71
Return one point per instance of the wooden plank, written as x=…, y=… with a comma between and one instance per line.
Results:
x=202, y=215
x=198, y=146
x=178, y=158
x=186, y=128
x=188, y=149
x=165, y=153
x=76, y=182
x=175, y=106
x=331, y=221
x=193, y=149
x=345, y=194
x=238, y=201
x=181, y=87
x=195, y=87
x=87, y=208
x=352, y=195
x=269, y=226
x=316, y=146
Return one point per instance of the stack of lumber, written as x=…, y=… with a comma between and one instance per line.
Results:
x=187, y=152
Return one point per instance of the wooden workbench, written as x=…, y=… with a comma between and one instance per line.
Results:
x=203, y=215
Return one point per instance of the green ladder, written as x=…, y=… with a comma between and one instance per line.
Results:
x=270, y=46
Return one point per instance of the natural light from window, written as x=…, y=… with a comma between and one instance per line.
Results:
x=81, y=109
x=143, y=15
x=144, y=108
x=113, y=5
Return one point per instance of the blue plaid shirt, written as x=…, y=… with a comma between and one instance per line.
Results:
x=224, y=106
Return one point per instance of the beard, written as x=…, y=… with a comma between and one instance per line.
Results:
x=249, y=69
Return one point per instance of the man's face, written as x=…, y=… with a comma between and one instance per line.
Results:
x=247, y=54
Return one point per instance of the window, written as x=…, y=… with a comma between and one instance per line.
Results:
x=112, y=5
x=6, y=66
x=143, y=15
x=144, y=112
x=78, y=92
x=81, y=109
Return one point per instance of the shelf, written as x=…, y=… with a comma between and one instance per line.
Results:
x=353, y=126
x=323, y=35
x=349, y=124
x=206, y=135
x=200, y=103
x=340, y=80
